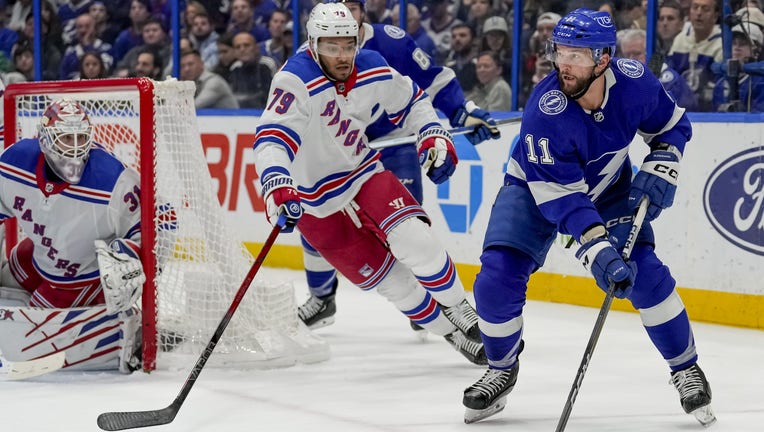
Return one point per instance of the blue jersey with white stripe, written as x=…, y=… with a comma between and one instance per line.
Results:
x=571, y=158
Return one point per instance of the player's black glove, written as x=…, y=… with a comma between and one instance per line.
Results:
x=656, y=179
x=602, y=259
x=471, y=115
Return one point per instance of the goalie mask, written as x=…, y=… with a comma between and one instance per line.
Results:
x=327, y=23
x=65, y=136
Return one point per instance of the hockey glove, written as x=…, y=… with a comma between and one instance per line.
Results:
x=602, y=259
x=656, y=179
x=122, y=274
x=281, y=197
x=437, y=154
x=471, y=115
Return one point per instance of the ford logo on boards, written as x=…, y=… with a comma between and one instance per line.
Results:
x=733, y=200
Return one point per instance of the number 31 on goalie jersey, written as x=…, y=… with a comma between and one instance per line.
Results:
x=284, y=100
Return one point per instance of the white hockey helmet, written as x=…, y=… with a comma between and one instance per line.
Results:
x=330, y=20
x=66, y=136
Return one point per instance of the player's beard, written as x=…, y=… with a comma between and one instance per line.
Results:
x=575, y=90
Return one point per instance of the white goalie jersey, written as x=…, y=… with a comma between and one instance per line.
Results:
x=313, y=127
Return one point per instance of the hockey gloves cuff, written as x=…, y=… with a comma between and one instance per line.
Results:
x=656, y=179
x=471, y=115
x=607, y=266
x=437, y=154
x=281, y=197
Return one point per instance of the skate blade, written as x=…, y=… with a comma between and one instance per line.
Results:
x=705, y=416
x=325, y=322
x=421, y=335
x=475, y=415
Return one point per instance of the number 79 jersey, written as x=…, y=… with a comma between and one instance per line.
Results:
x=313, y=128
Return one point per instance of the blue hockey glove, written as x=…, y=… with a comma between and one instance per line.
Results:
x=656, y=179
x=607, y=266
x=281, y=197
x=471, y=115
x=437, y=154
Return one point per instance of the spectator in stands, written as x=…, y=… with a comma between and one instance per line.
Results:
x=105, y=29
x=670, y=23
x=193, y=8
x=243, y=20
x=480, y=10
x=496, y=40
x=148, y=63
x=696, y=48
x=68, y=11
x=438, y=26
x=155, y=38
x=204, y=38
x=86, y=41
x=747, y=43
x=275, y=47
x=541, y=69
x=132, y=36
x=8, y=37
x=185, y=46
x=23, y=60
x=414, y=27
x=544, y=26
x=226, y=56
x=633, y=15
x=92, y=67
x=251, y=74
x=19, y=13
x=212, y=91
x=377, y=12
x=632, y=44
x=462, y=57
x=492, y=92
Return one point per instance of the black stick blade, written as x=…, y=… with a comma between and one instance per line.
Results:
x=115, y=421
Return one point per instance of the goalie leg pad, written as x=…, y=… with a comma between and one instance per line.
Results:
x=130, y=347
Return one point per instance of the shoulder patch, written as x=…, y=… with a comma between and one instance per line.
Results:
x=553, y=102
x=394, y=32
x=631, y=68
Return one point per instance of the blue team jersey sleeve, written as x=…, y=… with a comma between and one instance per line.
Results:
x=404, y=55
x=663, y=121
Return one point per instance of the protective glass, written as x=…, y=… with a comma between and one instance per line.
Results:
x=333, y=48
x=569, y=55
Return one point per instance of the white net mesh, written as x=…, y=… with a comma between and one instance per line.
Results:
x=200, y=263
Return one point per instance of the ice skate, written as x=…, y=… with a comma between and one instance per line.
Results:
x=694, y=393
x=473, y=351
x=488, y=395
x=318, y=312
x=463, y=316
x=421, y=332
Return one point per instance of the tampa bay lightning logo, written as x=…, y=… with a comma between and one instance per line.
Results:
x=394, y=32
x=553, y=102
x=631, y=68
x=604, y=20
x=733, y=200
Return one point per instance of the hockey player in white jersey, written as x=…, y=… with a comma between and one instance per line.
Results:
x=312, y=156
x=402, y=53
x=77, y=265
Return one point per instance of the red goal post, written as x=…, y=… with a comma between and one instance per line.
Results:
x=192, y=259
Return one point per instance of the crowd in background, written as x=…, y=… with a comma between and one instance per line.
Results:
x=232, y=49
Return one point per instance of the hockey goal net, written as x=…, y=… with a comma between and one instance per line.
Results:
x=193, y=262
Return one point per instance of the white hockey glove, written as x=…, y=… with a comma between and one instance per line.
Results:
x=122, y=274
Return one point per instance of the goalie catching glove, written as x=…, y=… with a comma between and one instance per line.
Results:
x=437, y=154
x=281, y=197
x=122, y=274
x=656, y=179
x=470, y=114
x=601, y=258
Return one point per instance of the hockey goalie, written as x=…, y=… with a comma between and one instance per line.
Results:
x=72, y=284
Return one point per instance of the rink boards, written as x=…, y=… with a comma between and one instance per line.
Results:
x=712, y=238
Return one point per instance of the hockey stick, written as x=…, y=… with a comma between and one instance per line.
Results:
x=410, y=139
x=114, y=421
x=630, y=241
x=19, y=370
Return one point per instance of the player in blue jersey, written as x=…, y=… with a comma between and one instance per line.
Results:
x=570, y=173
x=402, y=53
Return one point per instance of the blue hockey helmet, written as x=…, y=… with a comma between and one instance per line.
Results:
x=586, y=28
